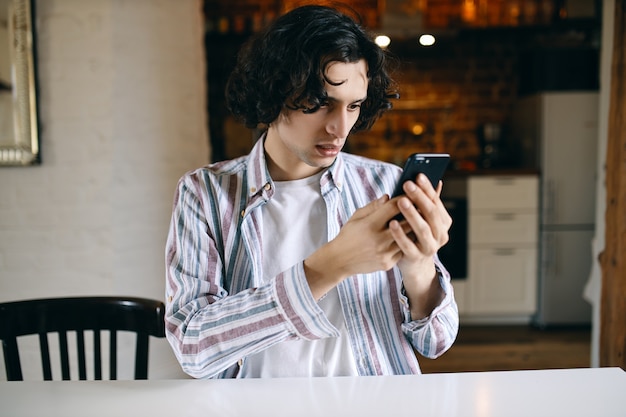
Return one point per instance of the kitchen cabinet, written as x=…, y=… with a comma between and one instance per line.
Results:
x=501, y=285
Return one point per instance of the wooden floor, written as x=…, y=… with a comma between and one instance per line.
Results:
x=498, y=348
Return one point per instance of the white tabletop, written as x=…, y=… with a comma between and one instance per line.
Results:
x=572, y=392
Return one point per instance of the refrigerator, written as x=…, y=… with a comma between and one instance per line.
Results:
x=558, y=135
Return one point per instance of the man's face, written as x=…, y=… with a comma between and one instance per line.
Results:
x=298, y=144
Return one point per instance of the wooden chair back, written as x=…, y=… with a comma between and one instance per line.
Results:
x=142, y=316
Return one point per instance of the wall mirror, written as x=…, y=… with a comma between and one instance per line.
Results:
x=19, y=133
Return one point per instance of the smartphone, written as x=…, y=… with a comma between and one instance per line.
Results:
x=433, y=165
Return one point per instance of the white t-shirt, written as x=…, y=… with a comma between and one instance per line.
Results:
x=294, y=226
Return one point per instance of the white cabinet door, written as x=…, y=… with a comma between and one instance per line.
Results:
x=503, y=230
x=503, y=192
x=508, y=227
x=503, y=281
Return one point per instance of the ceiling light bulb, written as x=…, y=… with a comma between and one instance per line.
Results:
x=427, y=40
x=382, y=41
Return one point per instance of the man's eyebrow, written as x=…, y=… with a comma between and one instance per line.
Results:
x=360, y=100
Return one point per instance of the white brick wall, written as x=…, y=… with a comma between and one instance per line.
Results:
x=123, y=116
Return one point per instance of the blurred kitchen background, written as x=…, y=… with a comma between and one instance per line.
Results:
x=131, y=97
x=457, y=95
x=510, y=89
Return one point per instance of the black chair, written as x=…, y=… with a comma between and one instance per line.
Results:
x=79, y=314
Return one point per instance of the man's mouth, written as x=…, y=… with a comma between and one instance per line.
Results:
x=328, y=149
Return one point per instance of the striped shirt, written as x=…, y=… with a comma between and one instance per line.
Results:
x=221, y=309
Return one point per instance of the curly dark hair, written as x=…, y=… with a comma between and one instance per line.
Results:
x=285, y=66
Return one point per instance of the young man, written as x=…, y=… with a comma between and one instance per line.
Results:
x=285, y=262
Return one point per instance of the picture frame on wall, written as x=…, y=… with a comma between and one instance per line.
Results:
x=19, y=125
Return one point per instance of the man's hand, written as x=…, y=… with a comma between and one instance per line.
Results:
x=365, y=244
x=423, y=232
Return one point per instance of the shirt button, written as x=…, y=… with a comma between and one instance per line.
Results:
x=267, y=186
x=240, y=362
x=243, y=212
x=252, y=190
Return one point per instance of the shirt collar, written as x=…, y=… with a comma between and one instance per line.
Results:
x=334, y=175
x=258, y=175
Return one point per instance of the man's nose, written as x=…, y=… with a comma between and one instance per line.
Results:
x=339, y=124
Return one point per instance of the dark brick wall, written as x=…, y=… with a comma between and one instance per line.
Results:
x=470, y=78
x=452, y=91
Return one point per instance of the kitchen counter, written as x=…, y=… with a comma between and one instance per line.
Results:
x=455, y=173
x=568, y=392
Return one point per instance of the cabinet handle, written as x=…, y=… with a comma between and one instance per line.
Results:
x=504, y=251
x=504, y=216
x=504, y=180
x=551, y=201
x=549, y=257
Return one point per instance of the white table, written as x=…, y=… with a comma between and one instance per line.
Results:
x=573, y=392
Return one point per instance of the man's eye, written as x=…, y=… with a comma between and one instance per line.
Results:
x=354, y=106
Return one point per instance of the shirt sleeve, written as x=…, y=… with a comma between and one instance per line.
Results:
x=432, y=336
x=210, y=329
